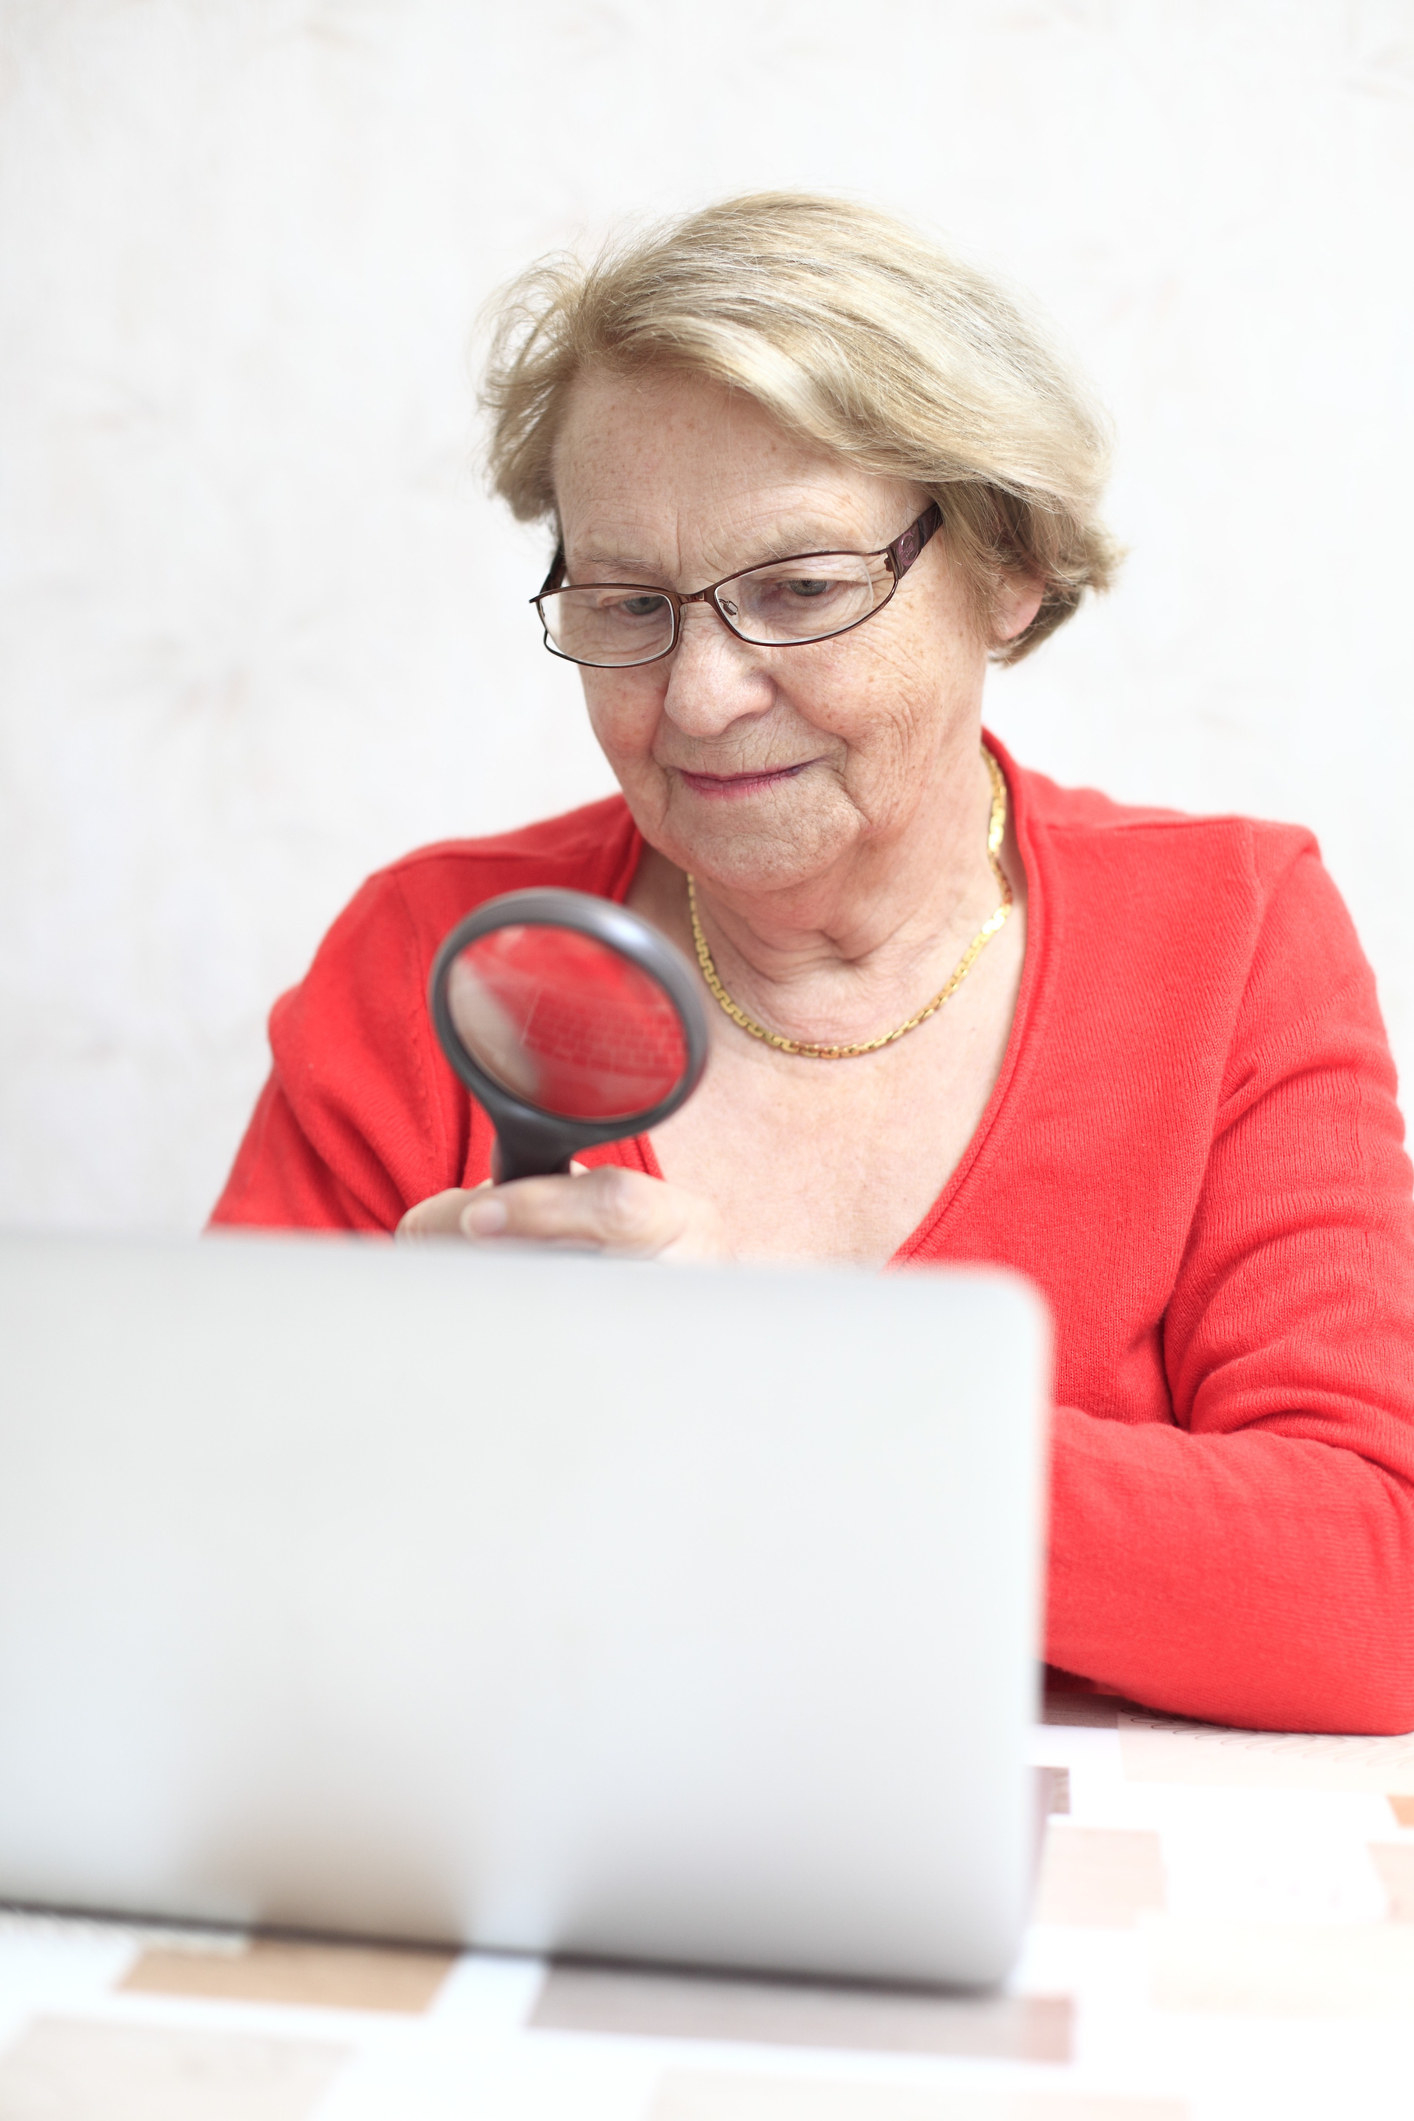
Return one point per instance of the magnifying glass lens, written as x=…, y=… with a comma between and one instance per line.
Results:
x=565, y=1022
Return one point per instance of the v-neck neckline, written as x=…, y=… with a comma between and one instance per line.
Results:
x=924, y=1233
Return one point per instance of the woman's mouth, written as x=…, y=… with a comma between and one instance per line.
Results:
x=730, y=784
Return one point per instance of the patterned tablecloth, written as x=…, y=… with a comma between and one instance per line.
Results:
x=1224, y=1927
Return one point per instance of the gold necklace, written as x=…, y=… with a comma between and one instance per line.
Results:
x=995, y=831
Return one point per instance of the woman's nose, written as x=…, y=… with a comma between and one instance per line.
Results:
x=713, y=678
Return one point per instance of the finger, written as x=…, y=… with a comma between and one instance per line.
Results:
x=611, y=1209
x=439, y=1215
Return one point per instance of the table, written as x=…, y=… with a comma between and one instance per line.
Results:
x=1224, y=1927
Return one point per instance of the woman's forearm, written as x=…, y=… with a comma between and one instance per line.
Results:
x=1258, y=1579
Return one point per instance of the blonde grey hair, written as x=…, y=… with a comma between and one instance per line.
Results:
x=856, y=333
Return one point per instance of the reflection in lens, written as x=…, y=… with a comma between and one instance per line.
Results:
x=566, y=1023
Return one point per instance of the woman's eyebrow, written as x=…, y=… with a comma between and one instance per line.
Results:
x=792, y=536
x=798, y=537
x=627, y=570
x=807, y=538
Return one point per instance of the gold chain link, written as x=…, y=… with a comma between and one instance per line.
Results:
x=996, y=830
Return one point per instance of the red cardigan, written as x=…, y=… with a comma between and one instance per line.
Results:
x=1193, y=1149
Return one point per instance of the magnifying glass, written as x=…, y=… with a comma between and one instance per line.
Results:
x=570, y=1020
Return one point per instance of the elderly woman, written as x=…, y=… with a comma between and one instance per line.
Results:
x=807, y=476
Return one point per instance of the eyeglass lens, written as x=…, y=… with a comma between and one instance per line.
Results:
x=771, y=606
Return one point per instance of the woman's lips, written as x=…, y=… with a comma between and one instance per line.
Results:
x=730, y=784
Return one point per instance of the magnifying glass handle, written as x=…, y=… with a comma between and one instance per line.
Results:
x=539, y=1149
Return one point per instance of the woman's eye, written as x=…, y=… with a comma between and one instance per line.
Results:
x=644, y=607
x=793, y=589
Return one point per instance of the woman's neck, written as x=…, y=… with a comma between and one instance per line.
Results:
x=845, y=953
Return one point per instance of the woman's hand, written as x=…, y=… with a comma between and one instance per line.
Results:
x=605, y=1210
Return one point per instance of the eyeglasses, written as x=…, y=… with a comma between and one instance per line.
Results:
x=809, y=596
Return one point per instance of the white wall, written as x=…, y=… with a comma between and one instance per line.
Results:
x=260, y=630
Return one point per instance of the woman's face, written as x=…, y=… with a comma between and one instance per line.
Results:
x=761, y=767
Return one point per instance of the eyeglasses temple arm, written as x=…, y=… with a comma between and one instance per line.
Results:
x=906, y=548
x=557, y=568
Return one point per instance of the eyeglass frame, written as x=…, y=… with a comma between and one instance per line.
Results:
x=900, y=555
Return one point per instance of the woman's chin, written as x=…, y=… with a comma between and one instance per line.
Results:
x=785, y=833
x=747, y=860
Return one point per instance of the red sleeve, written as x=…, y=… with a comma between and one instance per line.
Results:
x=361, y=1116
x=1254, y=1563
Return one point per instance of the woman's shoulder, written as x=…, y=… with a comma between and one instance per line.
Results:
x=1089, y=830
x=1182, y=904
x=1088, y=815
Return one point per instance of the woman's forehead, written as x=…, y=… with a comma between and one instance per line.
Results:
x=640, y=456
x=603, y=400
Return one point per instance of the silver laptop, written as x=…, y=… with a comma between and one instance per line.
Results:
x=533, y=1602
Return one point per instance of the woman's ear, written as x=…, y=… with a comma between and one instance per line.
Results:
x=1015, y=605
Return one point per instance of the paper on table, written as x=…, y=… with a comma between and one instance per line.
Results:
x=1098, y=1877
x=1282, y=1969
x=1166, y=1749
x=708, y=2096
x=289, y=1970
x=62, y=2067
